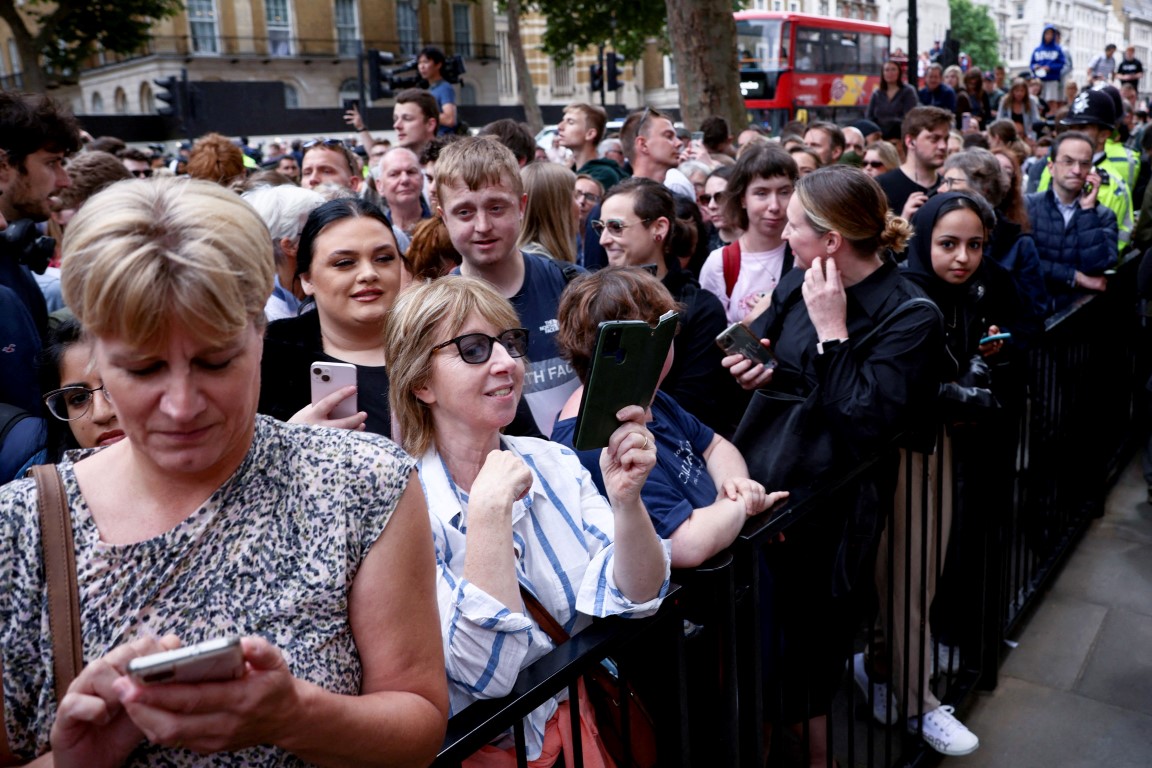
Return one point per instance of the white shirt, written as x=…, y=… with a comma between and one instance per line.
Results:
x=562, y=538
x=759, y=274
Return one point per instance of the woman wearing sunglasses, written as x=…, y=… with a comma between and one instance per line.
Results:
x=348, y=262
x=83, y=416
x=879, y=158
x=512, y=513
x=638, y=227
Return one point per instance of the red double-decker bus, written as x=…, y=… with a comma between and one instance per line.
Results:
x=792, y=61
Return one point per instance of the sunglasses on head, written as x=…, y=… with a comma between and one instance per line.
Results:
x=476, y=348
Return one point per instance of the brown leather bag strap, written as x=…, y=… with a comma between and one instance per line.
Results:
x=546, y=621
x=59, y=556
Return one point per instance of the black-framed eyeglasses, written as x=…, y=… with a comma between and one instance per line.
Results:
x=476, y=348
x=589, y=197
x=615, y=227
x=70, y=403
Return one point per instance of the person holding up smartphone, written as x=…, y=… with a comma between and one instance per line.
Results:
x=699, y=494
x=509, y=510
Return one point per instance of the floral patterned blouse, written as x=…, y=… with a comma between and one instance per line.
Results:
x=273, y=552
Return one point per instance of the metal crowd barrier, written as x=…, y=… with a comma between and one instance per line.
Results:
x=1026, y=486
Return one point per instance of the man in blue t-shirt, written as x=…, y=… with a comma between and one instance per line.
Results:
x=483, y=221
x=429, y=63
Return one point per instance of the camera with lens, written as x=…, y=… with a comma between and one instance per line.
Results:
x=25, y=243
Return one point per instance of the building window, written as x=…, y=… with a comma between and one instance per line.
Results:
x=408, y=27
x=291, y=97
x=462, y=29
x=505, y=74
x=669, y=73
x=17, y=64
x=202, y=24
x=97, y=104
x=147, y=102
x=563, y=79
x=347, y=28
x=120, y=101
x=1019, y=10
x=279, y=27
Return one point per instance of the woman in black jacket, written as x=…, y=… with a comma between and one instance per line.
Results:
x=350, y=264
x=866, y=387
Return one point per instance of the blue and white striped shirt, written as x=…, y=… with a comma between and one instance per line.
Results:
x=562, y=539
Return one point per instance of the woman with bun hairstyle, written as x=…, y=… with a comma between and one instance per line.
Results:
x=867, y=392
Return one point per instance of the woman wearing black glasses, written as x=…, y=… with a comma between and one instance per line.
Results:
x=638, y=227
x=512, y=513
x=75, y=394
x=349, y=264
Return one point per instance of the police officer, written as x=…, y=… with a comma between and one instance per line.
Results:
x=1094, y=113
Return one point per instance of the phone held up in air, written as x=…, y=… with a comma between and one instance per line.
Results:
x=210, y=661
x=327, y=378
x=996, y=337
x=736, y=339
x=625, y=370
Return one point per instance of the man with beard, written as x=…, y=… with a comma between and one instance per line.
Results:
x=36, y=136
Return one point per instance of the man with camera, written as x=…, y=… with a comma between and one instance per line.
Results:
x=36, y=135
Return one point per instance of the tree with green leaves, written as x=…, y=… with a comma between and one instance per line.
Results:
x=700, y=36
x=972, y=25
x=55, y=37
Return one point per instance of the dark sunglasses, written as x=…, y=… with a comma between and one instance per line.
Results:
x=144, y=174
x=873, y=163
x=706, y=198
x=476, y=348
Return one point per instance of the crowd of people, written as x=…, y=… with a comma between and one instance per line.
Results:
x=160, y=349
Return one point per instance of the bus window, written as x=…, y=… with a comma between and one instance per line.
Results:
x=762, y=44
x=809, y=51
x=873, y=52
x=843, y=51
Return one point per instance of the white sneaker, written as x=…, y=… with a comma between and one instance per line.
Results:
x=885, y=708
x=944, y=733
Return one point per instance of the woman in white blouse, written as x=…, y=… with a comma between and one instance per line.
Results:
x=512, y=513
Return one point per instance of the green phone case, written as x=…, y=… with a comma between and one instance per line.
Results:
x=625, y=370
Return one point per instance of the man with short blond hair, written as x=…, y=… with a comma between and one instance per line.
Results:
x=482, y=203
x=581, y=130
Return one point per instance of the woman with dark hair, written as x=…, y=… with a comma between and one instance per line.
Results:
x=721, y=230
x=844, y=333
x=892, y=100
x=693, y=256
x=743, y=273
x=639, y=228
x=974, y=101
x=349, y=264
x=74, y=394
x=1010, y=244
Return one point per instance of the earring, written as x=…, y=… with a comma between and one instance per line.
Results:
x=657, y=238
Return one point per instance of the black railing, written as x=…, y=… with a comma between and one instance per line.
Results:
x=1024, y=487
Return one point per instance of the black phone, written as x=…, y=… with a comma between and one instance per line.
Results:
x=736, y=339
x=624, y=370
x=351, y=104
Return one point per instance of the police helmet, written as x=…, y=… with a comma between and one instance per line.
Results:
x=1091, y=108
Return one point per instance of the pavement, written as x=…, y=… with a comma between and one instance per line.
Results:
x=1076, y=692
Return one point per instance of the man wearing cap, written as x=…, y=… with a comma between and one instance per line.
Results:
x=1103, y=65
x=1093, y=113
x=1075, y=234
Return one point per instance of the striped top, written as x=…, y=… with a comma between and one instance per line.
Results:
x=562, y=539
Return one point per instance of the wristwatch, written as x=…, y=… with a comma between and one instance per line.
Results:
x=823, y=347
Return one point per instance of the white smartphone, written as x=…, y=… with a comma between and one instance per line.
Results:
x=329, y=377
x=209, y=661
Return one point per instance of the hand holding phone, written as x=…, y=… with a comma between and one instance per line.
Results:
x=326, y=378
x=736, y=339
x=210, y=661
x=625, y=370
